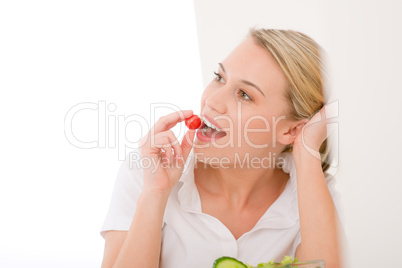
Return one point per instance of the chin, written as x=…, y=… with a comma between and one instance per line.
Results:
x=219, y=157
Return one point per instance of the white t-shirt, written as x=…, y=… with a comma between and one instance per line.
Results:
x=191, y=238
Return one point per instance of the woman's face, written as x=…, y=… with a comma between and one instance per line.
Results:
x=246, y=98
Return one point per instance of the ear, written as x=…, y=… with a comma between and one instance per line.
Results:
x=289, y=131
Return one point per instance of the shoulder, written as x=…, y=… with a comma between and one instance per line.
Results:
x=127, y=188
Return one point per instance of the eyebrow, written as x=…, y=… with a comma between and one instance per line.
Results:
x=245, y=81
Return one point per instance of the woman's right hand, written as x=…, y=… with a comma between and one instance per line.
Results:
x=162, y=168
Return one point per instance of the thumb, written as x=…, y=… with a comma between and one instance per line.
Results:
x=187, y=143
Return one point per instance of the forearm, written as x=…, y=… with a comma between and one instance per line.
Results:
x=141, y=247
x=318, y=217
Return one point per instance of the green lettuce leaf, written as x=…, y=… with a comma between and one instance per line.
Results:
x=272, y=264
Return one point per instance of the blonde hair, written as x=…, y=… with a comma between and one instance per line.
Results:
x=301, y=60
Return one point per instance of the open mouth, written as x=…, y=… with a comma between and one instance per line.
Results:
x=210, y=130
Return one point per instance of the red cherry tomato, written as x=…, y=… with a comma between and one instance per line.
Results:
x=193, y=122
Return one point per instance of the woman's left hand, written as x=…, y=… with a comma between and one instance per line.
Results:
x=313, y=133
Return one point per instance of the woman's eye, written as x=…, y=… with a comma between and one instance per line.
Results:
x=218, y=77
x=243, y=95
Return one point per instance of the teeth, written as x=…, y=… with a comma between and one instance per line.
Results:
x=209, y=124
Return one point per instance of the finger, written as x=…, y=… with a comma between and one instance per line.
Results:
x=168, y=153
x=168, y=121
x=168, y=137
x=316, y=117
x=187, y=143
x=165, y=151
x=174, y=143
x=164, y=158
x=175, y=146
x=159, y=142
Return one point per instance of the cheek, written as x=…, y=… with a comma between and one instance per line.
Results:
x=203, y=98
x=257, y=132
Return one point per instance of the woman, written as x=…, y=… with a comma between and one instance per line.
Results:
x=229, y=200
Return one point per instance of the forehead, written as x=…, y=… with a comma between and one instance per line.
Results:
x=251, y=62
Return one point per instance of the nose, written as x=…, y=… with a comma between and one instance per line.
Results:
x=218, y=100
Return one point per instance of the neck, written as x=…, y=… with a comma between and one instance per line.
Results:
x=240, y=187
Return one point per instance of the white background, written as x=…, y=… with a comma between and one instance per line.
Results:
x=58, y=54
x=53, y=56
